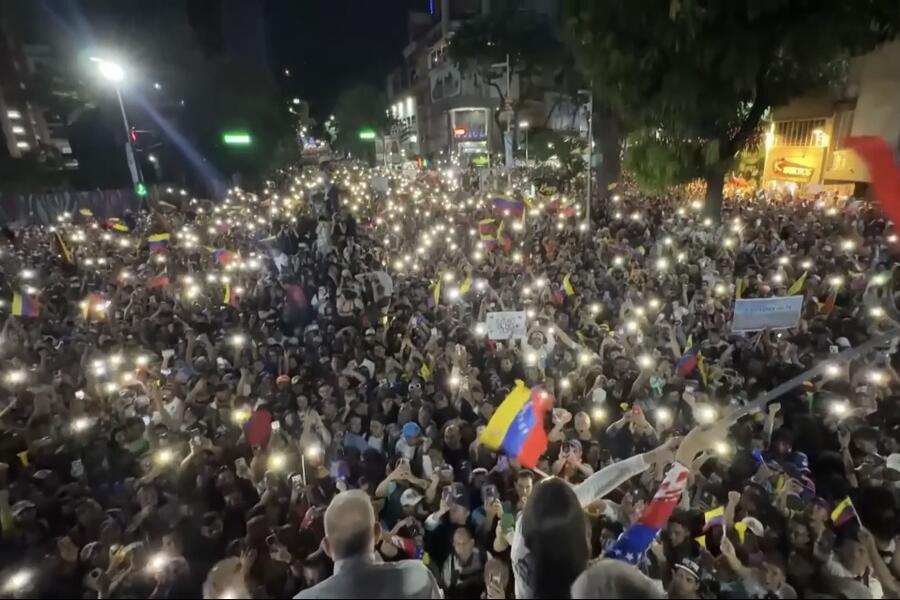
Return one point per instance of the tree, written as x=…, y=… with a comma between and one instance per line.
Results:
x=693, y=79
x=359, y=107
x=535, y=52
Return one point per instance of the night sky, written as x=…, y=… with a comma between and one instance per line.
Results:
x=330, y=44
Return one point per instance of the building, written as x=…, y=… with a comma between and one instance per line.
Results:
x=440, y=110
x=804, y=146
x=29, y=127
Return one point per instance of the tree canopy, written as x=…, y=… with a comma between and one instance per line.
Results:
x=694, y=78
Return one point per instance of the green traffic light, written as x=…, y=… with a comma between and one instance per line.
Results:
x=237, y=138
x=367, y=134
x=140, y=189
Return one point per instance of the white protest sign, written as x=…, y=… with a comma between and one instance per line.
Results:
x=506, y=325
x=381, y=282
x=754, y=314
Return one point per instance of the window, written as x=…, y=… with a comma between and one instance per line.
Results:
x=805, y=132
x=23, y=146
x=18, y=129
x=13, y=114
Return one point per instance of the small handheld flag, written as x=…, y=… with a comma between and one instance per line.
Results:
x=797, y=286
x=63, y=249
x=843, y=512
x=509, y=207
x=158, y=242
x=161, y=280
x=231, y=296
x=567, y=285
x=25, y=306
x=223, y=256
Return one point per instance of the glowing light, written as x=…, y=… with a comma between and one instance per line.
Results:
x=80, y=424
x=832, y=370
x=598, y=415
x=17, y=581
x=645, y=361
x=839, y=408
x=876, y=377
x=277, y=461
x=706, y=414
x=164, y=456
x=663, y=415
x=158, y=562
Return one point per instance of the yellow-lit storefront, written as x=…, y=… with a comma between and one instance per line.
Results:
x=804, y=144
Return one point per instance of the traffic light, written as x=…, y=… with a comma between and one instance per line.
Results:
x=140, y=188
x=133, y=135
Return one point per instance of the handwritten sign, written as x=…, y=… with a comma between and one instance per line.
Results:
x=505, y=325
x=754, y=314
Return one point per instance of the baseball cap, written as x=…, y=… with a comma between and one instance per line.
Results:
x=842, y=342
x=689, y=566
x=411, y=429
x=370, y=331
x=754, y=525
x=410, y=497
x=21, y=506
x=282, y=379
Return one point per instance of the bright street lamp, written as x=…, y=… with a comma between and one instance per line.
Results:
x=109, y=70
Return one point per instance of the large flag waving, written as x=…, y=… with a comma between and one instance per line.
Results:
x=883, y=171
x=517, y=426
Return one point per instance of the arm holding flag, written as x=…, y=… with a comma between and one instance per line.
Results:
x=634, y=541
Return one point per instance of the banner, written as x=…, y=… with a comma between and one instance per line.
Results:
x=506, y=325
x=754, y=314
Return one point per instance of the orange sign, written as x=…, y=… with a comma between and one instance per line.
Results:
x=792, y=170
x=800, y=164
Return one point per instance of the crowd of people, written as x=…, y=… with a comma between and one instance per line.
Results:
x=284, y=393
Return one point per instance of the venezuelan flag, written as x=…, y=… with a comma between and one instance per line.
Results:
x=508, y=207
x=25, y=306
x=688, y=361
x=797, y=286
x=158, y=242
x=158, y=281
x=487, y=227
x=713, y=517
x=223, y=256
x=64, y=250
x=466, y=285
x=436, y=291
x=517, y=426
x=230, y=297
x=117, y=224
x=843, y=512
x=567, y=286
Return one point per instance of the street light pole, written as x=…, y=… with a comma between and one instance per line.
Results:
x=115, y=73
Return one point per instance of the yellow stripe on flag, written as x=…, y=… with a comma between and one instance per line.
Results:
x=567, y=285
x=701, y=366
x=17, y=304
x=466, y=285
x=739, y=286
x=711, y=514
x=496, y=429
x=841, y=507
x=436, y=291
x=797, y=286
